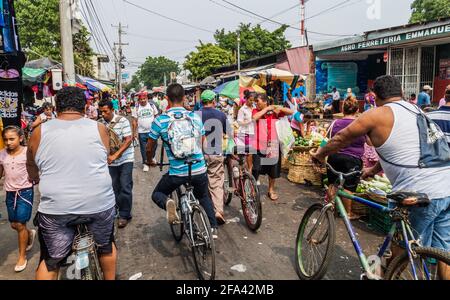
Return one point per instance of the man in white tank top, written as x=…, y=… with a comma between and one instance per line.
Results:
x=394, y=132
x=72, y=184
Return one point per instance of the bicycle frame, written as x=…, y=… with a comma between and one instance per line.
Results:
x=405, y=229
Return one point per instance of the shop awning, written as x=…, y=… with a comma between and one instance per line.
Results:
x=264, y=77
x=32, y=76
x=93, y=85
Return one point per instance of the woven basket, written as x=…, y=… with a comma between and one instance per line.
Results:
x=358, y=208
x=305, y=174
x=285, y=164
x=377, y=198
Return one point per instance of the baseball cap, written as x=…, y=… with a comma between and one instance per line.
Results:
x=208, y=96
x=427, y=88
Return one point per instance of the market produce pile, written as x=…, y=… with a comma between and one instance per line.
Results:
x=314, y=139
x=379, y=185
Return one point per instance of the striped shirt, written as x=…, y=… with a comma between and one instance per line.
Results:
x=442, y=118
x=123, y=130
x=178, y=167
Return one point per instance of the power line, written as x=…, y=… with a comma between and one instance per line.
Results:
x=233, y=10
x=161, y=39
x=168, y=18
x=281, y=24
x=281, y=12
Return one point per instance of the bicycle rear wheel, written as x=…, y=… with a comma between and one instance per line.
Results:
x=251, y=203
x=313, y=250
x=93, y=272
x=177, y=229
x=227, y=185
x=203, y=247
x=430, y=264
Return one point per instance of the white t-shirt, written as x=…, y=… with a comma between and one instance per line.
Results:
x=336, y=96
x=123, y=102
x=244, y=116
x=145, y=116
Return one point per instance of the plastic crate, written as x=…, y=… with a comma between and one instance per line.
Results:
x=380, y=221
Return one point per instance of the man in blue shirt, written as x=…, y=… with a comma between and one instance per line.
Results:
x=424, y=98
x=442, y=116
x=178, y=171
x=216, y=126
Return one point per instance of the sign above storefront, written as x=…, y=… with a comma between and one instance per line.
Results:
x=390, y=40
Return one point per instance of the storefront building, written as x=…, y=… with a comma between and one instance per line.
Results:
x=417, y=54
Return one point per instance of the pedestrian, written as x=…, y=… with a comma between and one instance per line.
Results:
x=336, y=101
x=348, y=159
x=216, y=128
x=47, y=115
x=246, y=130
x=115, y=102
x=413, y=99
x=164, y=104
x=424, y=98
x=19, y=190
x=68, y=157
x=267, y=160
x=91, y=111
x=178, y=170
x=394, y=131
x=120, y=160
x=349, y=93
x=369, y=100
x=123, y=104
x=443, y=101
x=143, y=116
x=442, y=116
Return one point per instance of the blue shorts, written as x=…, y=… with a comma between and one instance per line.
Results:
x=432, y=223
x=20, y=205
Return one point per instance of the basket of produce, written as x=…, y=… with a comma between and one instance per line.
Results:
x=285, y=164
x=376, y=188
x=305, y=174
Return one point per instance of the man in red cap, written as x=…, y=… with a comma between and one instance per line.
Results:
x=143, y=116
x=91, y=111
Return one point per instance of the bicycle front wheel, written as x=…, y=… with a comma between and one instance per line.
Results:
x=315, y=243
x=203, y=247
x=429, y=264
x=251, y=203
x=227, y=185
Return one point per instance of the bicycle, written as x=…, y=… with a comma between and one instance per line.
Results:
x=243, y=185
x=415, y=262
x=195, y=225
x=84, y=251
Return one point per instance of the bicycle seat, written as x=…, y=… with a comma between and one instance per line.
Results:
x=79, y=221
x=407, y=199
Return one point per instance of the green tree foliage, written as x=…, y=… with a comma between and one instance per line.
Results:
x=39, y=31
x=202, y=62
x=135, y=83
x=151, y=73
x=255, y=41
x=428, y=10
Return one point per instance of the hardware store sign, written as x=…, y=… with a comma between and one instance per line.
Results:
x=398, y=38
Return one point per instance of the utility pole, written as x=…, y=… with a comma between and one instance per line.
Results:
x=116, y=67
x=67, y=41
x=239, y=50
x=120, y=58
x=302, y=24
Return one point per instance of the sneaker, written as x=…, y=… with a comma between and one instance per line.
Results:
x=171, y=208
x=31, y=239
x=214, y=233
x=146, y=168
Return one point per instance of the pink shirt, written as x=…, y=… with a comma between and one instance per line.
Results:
x=16, y=175
x=442, y=102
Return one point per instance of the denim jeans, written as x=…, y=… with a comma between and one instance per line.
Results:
x=122, y=180
x=168, y=184
x=143, y=139
x=433, y=223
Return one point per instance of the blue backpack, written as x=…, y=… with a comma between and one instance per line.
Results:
x=434, y=149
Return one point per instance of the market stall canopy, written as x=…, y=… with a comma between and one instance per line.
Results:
x=43, y=63
x=32, y=76
x=220, y=88
x=209, y=81
x=264, y=77
x=161, y=89
x=93, y=84
x=231, y=90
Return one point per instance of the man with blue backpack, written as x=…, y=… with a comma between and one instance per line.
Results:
x=183, y=135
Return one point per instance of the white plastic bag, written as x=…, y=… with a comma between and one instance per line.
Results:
x=285, y=135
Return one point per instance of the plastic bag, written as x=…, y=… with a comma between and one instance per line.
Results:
x=285, y=135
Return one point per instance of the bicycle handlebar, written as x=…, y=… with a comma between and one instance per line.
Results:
x=358, y=173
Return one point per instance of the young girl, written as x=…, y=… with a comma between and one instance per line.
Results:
x=19, y=190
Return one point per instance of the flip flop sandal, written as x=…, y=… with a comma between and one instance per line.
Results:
x=270, y=195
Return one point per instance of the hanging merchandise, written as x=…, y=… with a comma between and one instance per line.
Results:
x=10, y=94
x=2, y=16
x=7, y=31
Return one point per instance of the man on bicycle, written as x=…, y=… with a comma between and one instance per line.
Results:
x=72, y=184
x=393, y=129
x=178, y=171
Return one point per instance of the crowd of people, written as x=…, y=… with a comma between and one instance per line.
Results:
x=55, y=154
